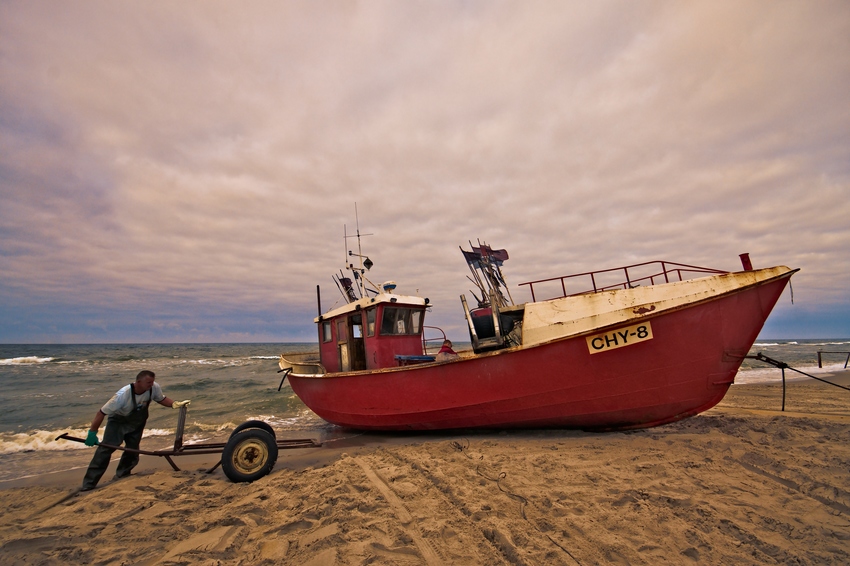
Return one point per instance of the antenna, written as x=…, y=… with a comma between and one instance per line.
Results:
x=365, y=263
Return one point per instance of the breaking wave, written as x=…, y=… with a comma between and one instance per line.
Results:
x=25, y=360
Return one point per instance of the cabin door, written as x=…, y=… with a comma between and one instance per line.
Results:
x=342, y=345
x=350, y=345
x=357, y=348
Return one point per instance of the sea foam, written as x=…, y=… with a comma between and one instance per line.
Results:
x=25, y=360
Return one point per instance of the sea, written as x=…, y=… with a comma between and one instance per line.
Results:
x=48, y=390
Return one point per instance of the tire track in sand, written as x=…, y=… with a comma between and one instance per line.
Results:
x=405, y=518
x=498, y=532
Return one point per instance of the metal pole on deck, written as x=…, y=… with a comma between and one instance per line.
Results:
x=783, y=389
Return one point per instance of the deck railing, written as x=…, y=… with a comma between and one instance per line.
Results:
x=436, y=342
x=646, y=273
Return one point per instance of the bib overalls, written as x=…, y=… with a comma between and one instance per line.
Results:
x=127, y=429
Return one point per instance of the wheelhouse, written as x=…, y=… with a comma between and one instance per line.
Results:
x=372, y=332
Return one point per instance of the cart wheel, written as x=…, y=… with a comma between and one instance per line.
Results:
x=253, y=424
x=249, y=455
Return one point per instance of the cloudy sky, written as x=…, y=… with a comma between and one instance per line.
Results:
x=186, y=171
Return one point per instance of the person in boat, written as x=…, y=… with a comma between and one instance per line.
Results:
x=128, y=413
x=446, y=353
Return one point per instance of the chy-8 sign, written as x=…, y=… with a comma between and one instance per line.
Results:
x=619, y=338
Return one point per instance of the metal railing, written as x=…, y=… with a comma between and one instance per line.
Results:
x=438, y=342
x=821, y=352
x=665, y=271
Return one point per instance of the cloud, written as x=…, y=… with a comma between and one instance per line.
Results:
x=196, y=164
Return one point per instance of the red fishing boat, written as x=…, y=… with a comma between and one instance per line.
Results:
x=657, y=343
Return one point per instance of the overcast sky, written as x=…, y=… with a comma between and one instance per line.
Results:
x=186, y=171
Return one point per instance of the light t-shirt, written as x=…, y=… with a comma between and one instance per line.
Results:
x=125, y=401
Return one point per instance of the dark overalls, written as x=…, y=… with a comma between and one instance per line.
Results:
x=119, y=429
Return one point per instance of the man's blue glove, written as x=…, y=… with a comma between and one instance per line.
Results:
x=91, y=438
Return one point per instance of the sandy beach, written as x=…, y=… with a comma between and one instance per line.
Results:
x=741, y=483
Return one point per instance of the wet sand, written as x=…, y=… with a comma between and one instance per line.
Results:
x=742, y=483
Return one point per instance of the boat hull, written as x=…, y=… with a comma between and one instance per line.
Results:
x=685, y=368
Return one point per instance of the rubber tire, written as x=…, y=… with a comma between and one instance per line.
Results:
x=254, y=424
x=249, y=455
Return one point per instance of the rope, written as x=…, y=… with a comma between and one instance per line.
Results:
x=502, y=475
x=460, y=448
x=782, y=365
x=819, y=379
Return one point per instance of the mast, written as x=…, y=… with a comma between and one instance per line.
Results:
x=359, y=273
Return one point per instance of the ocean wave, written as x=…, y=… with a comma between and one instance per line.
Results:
x=39, y=440
x=237, y=362
x=205, y=362
x=306, y=420
x=24, y=360
x=46, y=440
x=157, y=438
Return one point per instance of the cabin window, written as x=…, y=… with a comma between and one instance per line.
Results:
x=401, y=321
x=341, y=334
x=326, y=331
x=370, y=321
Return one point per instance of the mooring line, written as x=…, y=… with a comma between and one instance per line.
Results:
x=783, y=366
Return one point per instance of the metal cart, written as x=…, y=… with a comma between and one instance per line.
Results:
x=249, y=454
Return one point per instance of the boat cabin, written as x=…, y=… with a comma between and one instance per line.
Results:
x=372, y=332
